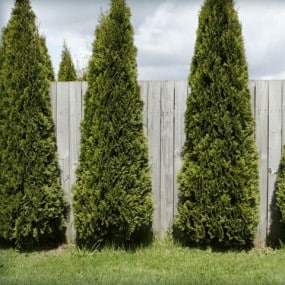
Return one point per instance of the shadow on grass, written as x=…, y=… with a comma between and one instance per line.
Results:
x=217, y=247
x=42, y=245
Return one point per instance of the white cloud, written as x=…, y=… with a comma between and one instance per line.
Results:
x=166, y=38
x=153, y=34
x=170, y=29
x=263, y=31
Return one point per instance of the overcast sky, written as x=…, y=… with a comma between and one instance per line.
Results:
x=165, y=33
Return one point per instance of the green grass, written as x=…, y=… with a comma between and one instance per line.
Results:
x=160, y=263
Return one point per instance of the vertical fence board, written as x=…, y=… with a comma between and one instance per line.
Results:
x=274, y=142
x=62, y=131
x=167, y=116
x=144, y=92
x=74, y=126
x=74, y=141
x=283, y=113
x=84, y=88
x=62, y=134
x=252, y=87
x=181, y=93
x=53, y=91
x=154, y=143
x=261, y=122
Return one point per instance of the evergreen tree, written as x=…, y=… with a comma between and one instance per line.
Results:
x=112, y=196
x=280, y=191
x=67, y=70
x=47, y=61
x=83, y=75
x=31, y=198
x=218, y=183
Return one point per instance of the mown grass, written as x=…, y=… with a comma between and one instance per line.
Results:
x=160, y=263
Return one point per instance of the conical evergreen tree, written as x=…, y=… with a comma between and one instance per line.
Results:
x=83, y=75
x=67, y=70
x=47, y=61
x=112, y=196
x=31, y=198
x=219, y=179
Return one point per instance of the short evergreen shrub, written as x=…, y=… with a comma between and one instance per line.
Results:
x=31, y=198
x=112, y=195
x=218, y=182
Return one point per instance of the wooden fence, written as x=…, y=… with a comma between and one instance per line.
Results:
x=164, y=107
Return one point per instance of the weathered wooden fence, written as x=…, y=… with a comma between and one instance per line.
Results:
x=165, y=103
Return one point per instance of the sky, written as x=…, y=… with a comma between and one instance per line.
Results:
x=165, y=33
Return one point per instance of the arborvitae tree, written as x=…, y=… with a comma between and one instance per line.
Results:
x=67, y=70
x=31, y=199
x=280, y=192
x=47, y=61
x=218, y=183
x=83, y=75
x=112, y=195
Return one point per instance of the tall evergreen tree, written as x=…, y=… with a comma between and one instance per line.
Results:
x=31, y=198
x=218, y=183
x=47, y=61
x=67, y=70
x=112, y=195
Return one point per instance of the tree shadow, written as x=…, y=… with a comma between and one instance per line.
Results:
x=45, y=244
x=214, y=245
x=276, y=231
x=140, y=239
x=4, y=244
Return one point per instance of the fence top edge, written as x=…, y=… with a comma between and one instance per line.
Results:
x=180, y=80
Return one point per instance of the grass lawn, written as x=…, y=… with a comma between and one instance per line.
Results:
x=160, y=263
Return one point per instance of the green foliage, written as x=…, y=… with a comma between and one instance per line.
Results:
x=280, y=191
x=31, y=198
x=47, y=61
x=67, y=70
x=84, y=75
x=218, y=183
x=112, y=195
